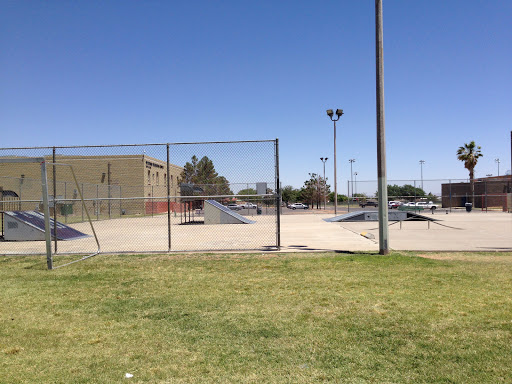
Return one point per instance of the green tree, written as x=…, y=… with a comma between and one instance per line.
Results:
x=313, y=190
x=398, y=191
x=341, y=198
x=469, y=155
x=289, y=194
x=247, y=191
x=202, y=173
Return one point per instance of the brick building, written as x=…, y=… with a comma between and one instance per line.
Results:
x=490, y=192
x=118, y=177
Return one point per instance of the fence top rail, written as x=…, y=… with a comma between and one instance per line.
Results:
x=141, y=145
x=23, y=160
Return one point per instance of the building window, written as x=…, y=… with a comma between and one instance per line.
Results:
x=171, y=181
x=149, y=177
x=165, y=178
x=157, y=179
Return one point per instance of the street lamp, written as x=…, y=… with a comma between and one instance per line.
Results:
x=351, y=180
x=498, y=161
x=421, y=165
x=355, y=181
x=324, y=159
x=339, y=113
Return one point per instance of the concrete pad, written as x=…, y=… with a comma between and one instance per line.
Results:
x=300, y=232
x=458, y=231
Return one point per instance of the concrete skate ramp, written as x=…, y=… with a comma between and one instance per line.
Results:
x=374, y=216
x=216, y=213
x=29, y=226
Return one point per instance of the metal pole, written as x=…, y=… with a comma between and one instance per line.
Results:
x=449, y=181
x=351, y=179
x=54, y=200
x=109, y=191
x=421, y=166
x=325, y=184
x=278, y=198
x=168, y=203
x=348, y=198
x=381, y=135
x=335, y=178
x=46, y=209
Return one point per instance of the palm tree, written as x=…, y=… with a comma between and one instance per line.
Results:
x=469, y=154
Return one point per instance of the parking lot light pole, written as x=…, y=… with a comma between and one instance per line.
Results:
x=339, y=113
x=324, y=159
x=355, y=181
x=498, y=161
x=421, y=165
x=351, y=180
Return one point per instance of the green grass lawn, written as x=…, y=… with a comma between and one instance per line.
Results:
x=259, y=318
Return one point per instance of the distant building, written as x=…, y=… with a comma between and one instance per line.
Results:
x=490, y=192
x=99, y=177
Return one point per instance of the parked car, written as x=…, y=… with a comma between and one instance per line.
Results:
x=409, y=204
x=425, y=205
x=248, y=205
x=370, y=203
x=234, y=207
x=394, y=204
x=298, y=206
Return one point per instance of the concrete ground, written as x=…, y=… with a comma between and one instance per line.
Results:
x=456, y=231
x=300, y=231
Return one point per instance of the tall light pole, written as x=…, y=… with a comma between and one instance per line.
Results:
x=381, y=135
x=339, y=113
x=324, y=159
x=498, y=161
x=421, y=165
x=351, y=180
x=355, y=181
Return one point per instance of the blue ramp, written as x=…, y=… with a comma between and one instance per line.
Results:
x=216, y=213
x=29, y=226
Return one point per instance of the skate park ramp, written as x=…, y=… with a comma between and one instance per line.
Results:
x=374, y=216
x=29, y=226
x=216, y=213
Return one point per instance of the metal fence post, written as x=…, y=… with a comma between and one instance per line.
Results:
x=450, y=184
x=54, y=198
x=348, y=199
x=97, y=202
x=278, y=197
x=47, y=225
x=168, y=203
x=82, y=204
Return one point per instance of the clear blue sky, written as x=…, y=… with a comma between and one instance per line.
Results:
x=115, y=72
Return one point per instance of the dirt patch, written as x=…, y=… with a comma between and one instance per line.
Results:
x=494, y=257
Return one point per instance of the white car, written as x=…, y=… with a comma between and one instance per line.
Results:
x=248, y=205
x=234, y=207
x=297, y=206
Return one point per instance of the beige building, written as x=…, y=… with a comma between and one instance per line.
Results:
x=139, y=178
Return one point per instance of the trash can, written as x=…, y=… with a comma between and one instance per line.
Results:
x=66, y=209
x=469, y=207
x=258, y=210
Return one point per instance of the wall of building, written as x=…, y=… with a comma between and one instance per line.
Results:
x=489, y=193
x=99, y=177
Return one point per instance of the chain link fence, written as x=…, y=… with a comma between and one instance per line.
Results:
x=489, y=194
x=149, y=197
x=492, y=193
